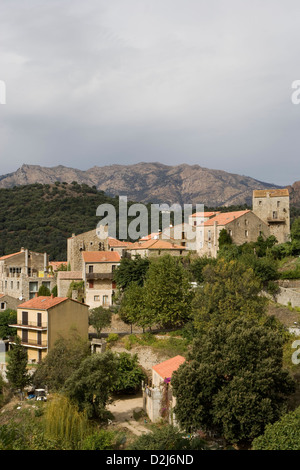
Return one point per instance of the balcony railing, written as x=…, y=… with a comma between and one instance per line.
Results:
x=34, y=342
x=30, y=324
x=95, y=276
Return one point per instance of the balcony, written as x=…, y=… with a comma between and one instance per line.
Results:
x=34, y=343
x=30, y=326
x=97, y=276
x=276, y=220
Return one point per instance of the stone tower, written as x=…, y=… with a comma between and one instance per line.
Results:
x=272, y=206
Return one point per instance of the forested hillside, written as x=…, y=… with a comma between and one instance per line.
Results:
x=42, y=217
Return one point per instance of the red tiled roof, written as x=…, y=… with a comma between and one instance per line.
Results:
x=113, y=242
x=151, y=236
x=9, y=256
x=224, y=218
x=42, y=302
x=155, y=245
x=204, y=214
x=57, y=264
x=101, y=256
x=165, y=369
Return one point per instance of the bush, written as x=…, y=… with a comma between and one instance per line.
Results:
x=282, y=435
x=112, y=337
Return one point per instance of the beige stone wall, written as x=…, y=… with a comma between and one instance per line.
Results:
x=88, y=241
x=24, y=272
x=94, y=296
x=272, y=208
x=242, y=230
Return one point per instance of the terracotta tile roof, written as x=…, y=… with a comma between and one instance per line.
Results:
x=101, y=256
x=165, y=369
x=57, y=264
x=113, y=242
x=70, y=275
x=224, y=218
x=272, y=192
x=11, y=255
x=151, y=236
x=42, y=302
x=155, y=245
x=204, y=214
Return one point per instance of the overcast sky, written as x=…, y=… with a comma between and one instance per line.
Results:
x=205, y=82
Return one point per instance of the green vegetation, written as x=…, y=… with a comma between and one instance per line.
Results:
x=100, y=318
x=129, y=374
x=7, y=317
x=16, y=370
x=167, y=438
x=42, y=217
x=233, y=382
x=61, y=361
x=282, y=435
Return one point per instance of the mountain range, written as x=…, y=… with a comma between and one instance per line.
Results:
x=153, y=182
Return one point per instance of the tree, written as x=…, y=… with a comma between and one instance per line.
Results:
x=91, y=384
x=167, y=438
x=197, y=266
x=16, y=371
x=132, y=308
x=224, y=238
x=100, y=318
x=44, y=291
x=61, y=361
x=167, y=292
x=233, y=382
x=129, y=374
x=7, y=317
x=230, y=290
x=282, y=435
x=131, y=270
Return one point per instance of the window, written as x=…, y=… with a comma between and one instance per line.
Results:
x=259, y=203
x=24, y=318
x=11, y=284
x=91, y=284
x=25, y=336
x=105, y=300
x=246, y=233
x=2, y=305
x=274, y=214
x=18, y=285
x=91, y=269
x=278, y=203
x=96, y=298
x=209, y=235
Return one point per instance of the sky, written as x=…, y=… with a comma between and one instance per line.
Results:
x=100, y=82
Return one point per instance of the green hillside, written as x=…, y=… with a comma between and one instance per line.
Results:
x=42, y=217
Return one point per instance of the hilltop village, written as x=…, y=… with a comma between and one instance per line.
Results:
x=52, y=298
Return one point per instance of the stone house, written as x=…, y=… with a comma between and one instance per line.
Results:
x=23, y=273
x=270, y=215
x=98, y=268
x=158, y=400
x=242, y=226
x=43, y=320
x=272, y=206
x=6, y=301
x=94, y=240
x=155, y=247
x=64, y=280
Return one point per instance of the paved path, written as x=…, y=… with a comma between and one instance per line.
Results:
x=123, y=409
